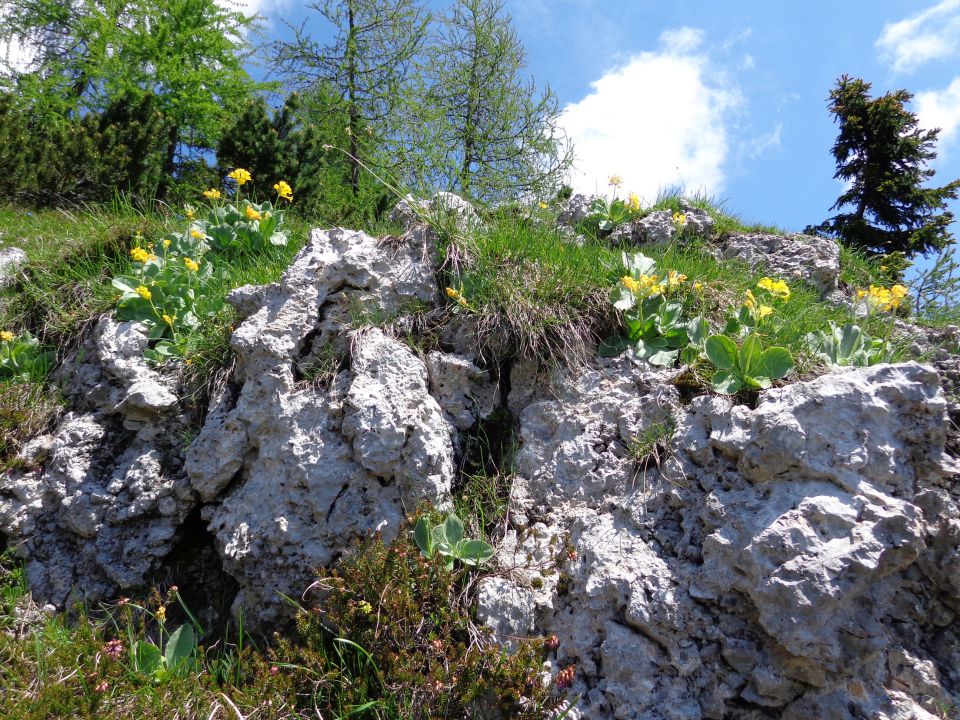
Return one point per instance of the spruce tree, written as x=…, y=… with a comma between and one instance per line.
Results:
x=882, y=155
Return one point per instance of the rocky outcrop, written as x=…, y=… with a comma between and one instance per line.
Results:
x=660, y=227
x=105, y=495
x=813, y=259
x=796, y=559
x=294, y=473
x=11, y=260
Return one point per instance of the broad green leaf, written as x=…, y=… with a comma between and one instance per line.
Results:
x=475, y=552
x=851, y=340
x=423, y=537
x=664, y=358
x=726, y=382
x=698, y=330
x=180, y=646
x=639, y=264
x=749, y=356
x=621, y=298
x=454, y=529
x=721, y=351
x=147, y=658
x=689, y=354
x=613, y=346
x=775, y=363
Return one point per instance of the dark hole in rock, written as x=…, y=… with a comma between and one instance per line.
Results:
x=194, y=566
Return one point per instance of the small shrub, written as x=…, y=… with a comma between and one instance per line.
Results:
x=394, y=639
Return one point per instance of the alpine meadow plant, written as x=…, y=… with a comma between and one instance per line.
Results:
x=656, y=330
x=169, y=292
x=243, y=225
x=747, y=367
x=848, y=345
x=605, y=215
x=22, y=358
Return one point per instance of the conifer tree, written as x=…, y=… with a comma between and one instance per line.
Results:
x=883, y=155
x=491, y=133
x=366, y=66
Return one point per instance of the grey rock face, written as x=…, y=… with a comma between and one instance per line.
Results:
x=575, y=209
x=296, y=473
x=108, y=494
x=11, y=260
x=410, y=211
x=799, y=558
x=813, y=259
x=660, y=227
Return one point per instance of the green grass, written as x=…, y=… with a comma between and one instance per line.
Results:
x=724, y=222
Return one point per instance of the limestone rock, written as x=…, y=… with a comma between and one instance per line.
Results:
x=799, y=558
x=813, y=259
x=295, y=473
x=11, y=260
x=105, y=495
x=660, y=227
x=575, y=209
x=410, y=211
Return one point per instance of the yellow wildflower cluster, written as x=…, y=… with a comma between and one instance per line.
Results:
x=212, y=194
x=252, y=214
x=633, y=202
x=615, y=181
x=241, y=176
x=189, y=212
x=542, y=205
x=169, y=320
x=457, y=296
x=882, y=298
x=680, y=219
x=192, y=266
x=141, y=256
x=166, y=243
x=6, y=335
x=284, y=190
x=761, y=311
x=777, y=288
x=647, y=285
x=144, y=292
x=196, y=234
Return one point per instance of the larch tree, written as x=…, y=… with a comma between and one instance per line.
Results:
x=366, y=66
x=491, y=133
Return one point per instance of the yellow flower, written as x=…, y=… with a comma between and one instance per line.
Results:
x=6, y=336
x=166, y=243
x=451, y=293
x=775, y=287
x=141, y=256
x=543, y=205
x=169, y=320
x=161, y=614
x=630, y=284
x=284, y=190
x=765, y=310
x=191, y=265
x=674, y=278
x=679, y=218
x=213, y=193
x=252, y=214
x=633, y=202
x=144, y=292
x=615, y=181
x=267, y=215
x=751, y=301
x=698, y=286
x=241, y=176
x=196, y=234
x=861, y=294
x=189, y=213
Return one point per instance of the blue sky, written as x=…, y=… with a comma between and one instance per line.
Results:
x=728, y=97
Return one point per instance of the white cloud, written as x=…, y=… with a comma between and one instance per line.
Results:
x=931, y=34
x=940, y=109
x=766, y=142
x=658, y=121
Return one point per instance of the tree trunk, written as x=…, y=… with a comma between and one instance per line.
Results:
x=353, y=116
